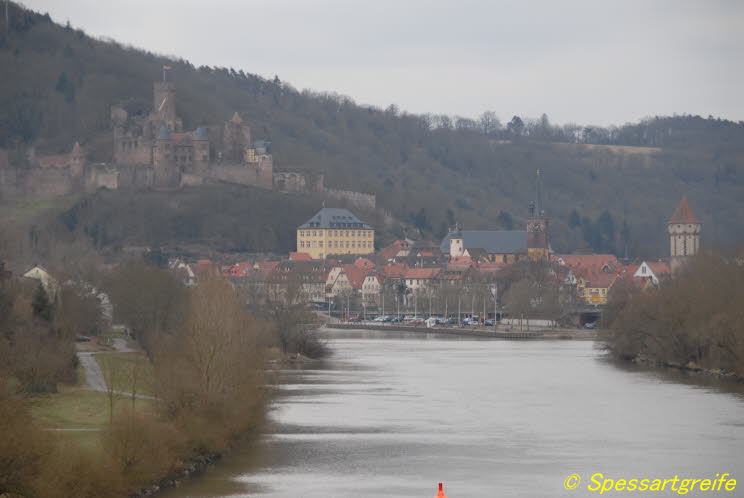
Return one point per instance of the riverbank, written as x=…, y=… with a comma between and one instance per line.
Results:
x=571, y=334
x=720, y=374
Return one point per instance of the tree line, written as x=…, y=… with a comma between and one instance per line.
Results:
x=694, y=320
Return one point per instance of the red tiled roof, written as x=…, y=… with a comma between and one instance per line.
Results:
x=683, y=213
x=599, y=279
x=355, y=275
x=421, y=273
x=238, y=269
x=266, y=265
x=299, y=256
x=364, y=263
x=587, y=260
x=393, y=271
x=659, y=268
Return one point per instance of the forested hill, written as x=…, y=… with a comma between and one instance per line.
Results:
x=58, y=85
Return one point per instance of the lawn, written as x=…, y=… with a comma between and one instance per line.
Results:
x=76, y=407
x=127, y=371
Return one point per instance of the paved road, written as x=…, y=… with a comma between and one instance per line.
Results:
x=94, y=378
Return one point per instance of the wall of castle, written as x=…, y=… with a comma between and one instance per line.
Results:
x=102, y=176
x=141, y=176
x=132, y=151
x=357, y=198
x=243, y=174
x=50, y=182
x=289, y=182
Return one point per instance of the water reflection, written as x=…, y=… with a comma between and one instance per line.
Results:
x=392, y=414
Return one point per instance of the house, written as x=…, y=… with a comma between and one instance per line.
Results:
x=298, y=281
x=654, y=270
x=372, y=289
x=594, y=283
x=47, y=281
x=420, y=279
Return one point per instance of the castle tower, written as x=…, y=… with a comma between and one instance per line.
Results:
x=537, y=227
x=77, y=160
x=201, y=148
x=164, y=103
x=167, y=172
x=236, y=136
x=684, y=233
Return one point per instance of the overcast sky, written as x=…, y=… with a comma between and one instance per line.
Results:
x=591, y=62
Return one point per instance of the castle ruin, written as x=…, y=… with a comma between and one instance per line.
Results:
x=155, y=152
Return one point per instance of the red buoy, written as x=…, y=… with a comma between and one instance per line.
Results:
x=441, y=492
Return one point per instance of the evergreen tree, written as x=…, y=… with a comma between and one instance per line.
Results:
x=40, y=304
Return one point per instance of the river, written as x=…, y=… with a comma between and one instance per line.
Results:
x=392, y=414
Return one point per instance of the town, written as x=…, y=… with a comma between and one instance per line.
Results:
x=471, y=277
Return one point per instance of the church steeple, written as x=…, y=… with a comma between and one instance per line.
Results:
x=537, y=226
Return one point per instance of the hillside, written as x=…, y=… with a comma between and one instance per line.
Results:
x=428, y=171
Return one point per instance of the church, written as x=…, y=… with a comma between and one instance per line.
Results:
x=503, y=246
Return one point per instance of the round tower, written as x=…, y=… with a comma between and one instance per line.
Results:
x=684, y=231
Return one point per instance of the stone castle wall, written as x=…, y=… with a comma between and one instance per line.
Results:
x=356, y=198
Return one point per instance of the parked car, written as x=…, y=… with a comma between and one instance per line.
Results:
x=452, y=321
x=380, y=318
x=431, y=321
x=489, y=323
x=355, y=318
x=417, y=321
x=82, y=338
x=397, y=319
x=590, y=325
x=388, y=318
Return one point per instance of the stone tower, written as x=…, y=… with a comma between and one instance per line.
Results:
x=457, y=247
x=236, y=136
x=537, y=228
x=77, y=160
x=164, y=103
x=167, y=172
x=684, y=233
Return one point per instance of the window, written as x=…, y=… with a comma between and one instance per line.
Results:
x=320, y=244
x=302, y=234
x=315, y=244
x=313, y=233
x=643, y=270
x=302, y=244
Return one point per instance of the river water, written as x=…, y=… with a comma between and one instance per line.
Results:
x=391, y=414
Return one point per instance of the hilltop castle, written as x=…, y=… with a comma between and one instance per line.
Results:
x=155, y=152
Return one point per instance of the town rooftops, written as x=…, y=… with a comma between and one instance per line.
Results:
x=683, y=214
x=335, y=218
x=492, y=241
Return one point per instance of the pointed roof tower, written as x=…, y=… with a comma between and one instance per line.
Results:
x=683, y=214
x=76, y=149
x=236, y=118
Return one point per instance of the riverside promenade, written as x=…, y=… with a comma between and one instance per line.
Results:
x=488, y=332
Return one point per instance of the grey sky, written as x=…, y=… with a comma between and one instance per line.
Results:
x=594, y=61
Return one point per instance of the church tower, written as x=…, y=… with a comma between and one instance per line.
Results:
x=684, y=233
x=537, y=228
x=457, y=247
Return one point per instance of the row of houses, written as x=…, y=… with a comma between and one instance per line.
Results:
x=408, y=268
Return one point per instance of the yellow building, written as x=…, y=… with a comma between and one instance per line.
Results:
x=335, y=231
